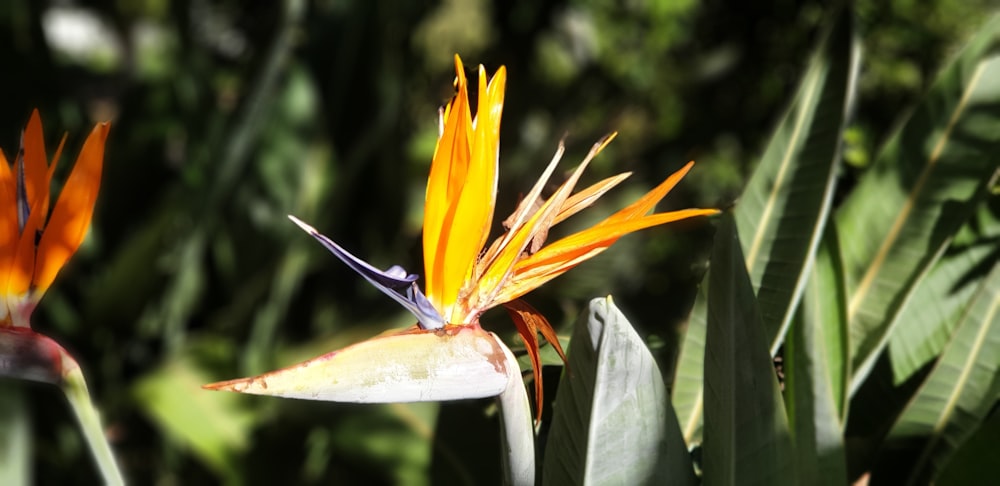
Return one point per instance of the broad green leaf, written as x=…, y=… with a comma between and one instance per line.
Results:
x=746, y=436
x=782, y=210
x=612, y=422
x=15, y=435
x=926, y=323
x=961, y=389
x=816, y=371
x=918, y=192
x=784, y=207
x=212, y=425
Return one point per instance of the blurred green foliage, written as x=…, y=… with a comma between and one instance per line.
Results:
x=229, y=115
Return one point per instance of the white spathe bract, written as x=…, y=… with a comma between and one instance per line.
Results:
x=411, y=366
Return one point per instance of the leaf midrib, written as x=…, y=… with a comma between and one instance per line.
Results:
x=904, y=213
x=786, y=161
x=948, y=410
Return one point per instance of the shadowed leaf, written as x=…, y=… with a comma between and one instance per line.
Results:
x=746, y=437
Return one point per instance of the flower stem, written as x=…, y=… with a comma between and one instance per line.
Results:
x=75, y=388
x=518, y=434
x=15, y=435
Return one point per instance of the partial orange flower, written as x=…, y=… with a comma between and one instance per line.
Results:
x=34, y=242
x=34, y=245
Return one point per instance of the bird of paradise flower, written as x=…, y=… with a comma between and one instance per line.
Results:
x=447, y=355
x=34, y=245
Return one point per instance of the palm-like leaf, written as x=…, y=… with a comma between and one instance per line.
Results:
x=926, y=324
x=961, y=389
x=921, y=188
x=783, y=209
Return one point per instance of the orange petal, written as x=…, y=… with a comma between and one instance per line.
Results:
x=562, y=255
x=35, y=162
x=448, y=173
x=529, y=322
x=529, y=205
x=646, y=203
x=525, y=325
x=493, y=279
x=71, y=216
x=9, y=232
x=479, y=192
x=557, y=258
x=462, y=241
x=583, y=199
x=19, y=279
x=48, y=177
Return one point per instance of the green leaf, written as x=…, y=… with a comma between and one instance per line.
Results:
x=926, y=323
x=15, y=435
x=746, y=430
x=784, y=207
x=816, y=371
x=961, y=389
x=612, y=421
x=782, y=210
x=212, y=425
x=919, y=191
x=688, y=387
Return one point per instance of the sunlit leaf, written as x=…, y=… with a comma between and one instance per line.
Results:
x=784, y=207
x=688, y=387
x=612, y=421
x=816, y=371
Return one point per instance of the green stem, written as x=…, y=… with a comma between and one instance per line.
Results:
x=75, y=388
x=15, y=435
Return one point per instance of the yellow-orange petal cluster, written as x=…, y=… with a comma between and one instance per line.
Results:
x=34, y=242
x=461, y=190
x=463, y=280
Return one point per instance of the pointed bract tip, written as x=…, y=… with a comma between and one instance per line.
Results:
x=305, y=227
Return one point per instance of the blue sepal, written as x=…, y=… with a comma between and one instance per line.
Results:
x=395, y=282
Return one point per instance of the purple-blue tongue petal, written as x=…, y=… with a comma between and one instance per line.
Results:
x=394, y=282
